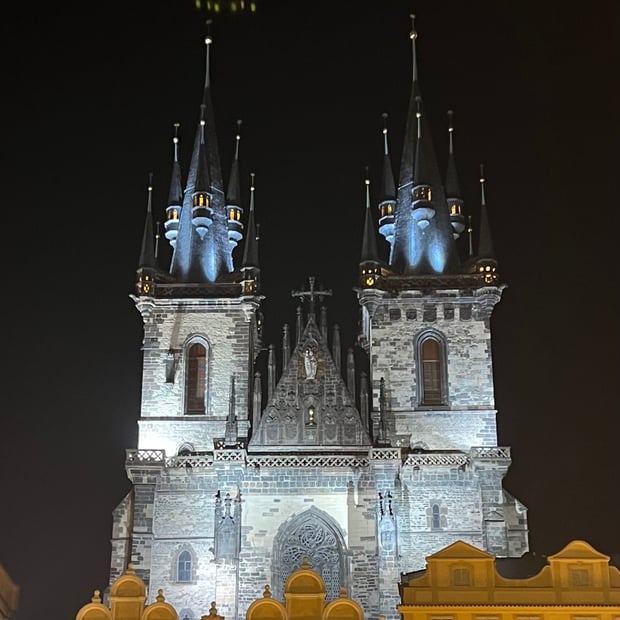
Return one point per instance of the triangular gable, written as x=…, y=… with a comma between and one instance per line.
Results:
x=578, y=550
x=460, y=550
x=311, y=408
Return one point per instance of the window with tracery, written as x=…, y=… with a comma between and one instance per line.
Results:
x=314, y=539
x=196, y=379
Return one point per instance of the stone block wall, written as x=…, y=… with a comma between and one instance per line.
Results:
x=227, y=326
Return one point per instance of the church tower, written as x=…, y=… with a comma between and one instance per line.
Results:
x=246, y=465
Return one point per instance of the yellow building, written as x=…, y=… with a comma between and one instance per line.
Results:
x=461, y=582
x=9, y=595
x=304, y=599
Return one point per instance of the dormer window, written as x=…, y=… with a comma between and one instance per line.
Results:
x=423, y=192
x=173, y=214
x=455, y=209
x=201, y=199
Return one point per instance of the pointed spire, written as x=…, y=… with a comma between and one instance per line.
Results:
x=175, y=193
x=286, y=346
x=388, y=187
x=257, y=397
x=470, y=238
x=382, y=438
x=351, y=372
x=485, y=243
x=323, y=322
x=208, y=43
x=364, y=412
x=249, y=265
x=250, y=252
x=299, y=325
x=271, y=372
x=453, y=191
x=336, y=347
x=147, y=252
x=413, y=35
x=370, y=254
x=233, y=194
x=369, y=261
x=233, y=198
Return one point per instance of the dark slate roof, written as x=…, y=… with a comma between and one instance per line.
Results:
x=250, y=251
x=147, y=251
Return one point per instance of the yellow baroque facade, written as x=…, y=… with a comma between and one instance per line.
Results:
x=304, y=599
x=461, y=582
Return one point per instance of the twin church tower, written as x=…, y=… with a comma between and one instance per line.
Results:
x=240, y=472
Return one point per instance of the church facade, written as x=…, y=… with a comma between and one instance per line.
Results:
x=241, y=475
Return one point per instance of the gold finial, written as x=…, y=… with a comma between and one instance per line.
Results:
x=384, y=116
x=367, y=183
x=160, y=598
x=412, y=34
x=305, y=564
x=451, y=131
x=343, y=592
x=482, y=181
x=418, y=114
x=96, y=597
x=267, y=592
x=130, y=569
x=213, y=609
x=175, y=140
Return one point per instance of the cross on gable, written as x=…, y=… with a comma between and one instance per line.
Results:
x=311, y=294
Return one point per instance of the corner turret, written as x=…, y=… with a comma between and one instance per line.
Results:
x=202, y=212
x=175, y=195
x=147, y=265
x=250, y=268
x=369, y=260
x=484, y=263
x=453, y=192
x=233, y=197
x=387, y=199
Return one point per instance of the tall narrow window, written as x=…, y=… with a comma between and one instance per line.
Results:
x=435, y=518
x=195, y=383
x=184, y=567
x=431, y=372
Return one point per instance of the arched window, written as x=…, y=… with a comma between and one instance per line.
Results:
x=431, y=370
x=196, y=378
x=184, y=567
x=435, y=517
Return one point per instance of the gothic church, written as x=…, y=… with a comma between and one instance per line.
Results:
x=239, y=474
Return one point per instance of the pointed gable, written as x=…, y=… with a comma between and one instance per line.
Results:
x=311, y=408
x=460, y=550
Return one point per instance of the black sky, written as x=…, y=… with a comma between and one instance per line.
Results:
x=90, y=92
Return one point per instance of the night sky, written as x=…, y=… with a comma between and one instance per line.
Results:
x=90, y=93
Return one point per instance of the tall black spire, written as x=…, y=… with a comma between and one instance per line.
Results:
x=147, y=265
x=369, y=261
x=453, y=191
x=426, y=248
x=175, y=194
x=147, y=251
x=250, y=265
x=387, y=196
x=233, y=197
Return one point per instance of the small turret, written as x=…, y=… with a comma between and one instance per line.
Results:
x=387, y=200
x=369, y=260
x=250, y=267
x=175, y=196
x=202, y=213
x=147, y=265
x=422, y=209
x=233, y=198
x=486, y=263
x=453, y=192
